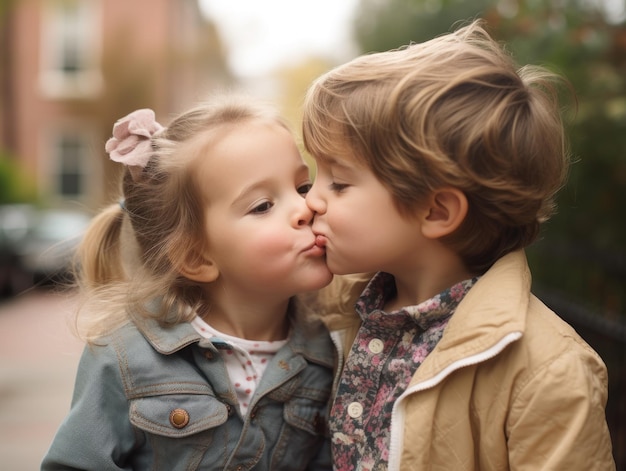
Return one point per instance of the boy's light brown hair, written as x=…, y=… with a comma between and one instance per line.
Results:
x=453, y=111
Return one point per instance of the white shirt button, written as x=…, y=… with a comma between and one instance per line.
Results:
x=355, y=410
x=376, y=345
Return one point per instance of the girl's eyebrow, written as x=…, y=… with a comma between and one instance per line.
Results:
x=261, y=184
x=304, y=168
x=249, y=189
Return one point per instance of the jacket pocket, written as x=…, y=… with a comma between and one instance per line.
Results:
x=177, y=415
x=307, y=415
x=302, y=436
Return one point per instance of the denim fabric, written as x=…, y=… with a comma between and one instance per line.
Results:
x=128, y=387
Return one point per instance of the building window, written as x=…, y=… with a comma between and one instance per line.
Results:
x=72, y=152
x=70, y=49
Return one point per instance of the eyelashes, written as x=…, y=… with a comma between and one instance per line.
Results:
x=264, y=206
x=304, y=189
x=338, y=187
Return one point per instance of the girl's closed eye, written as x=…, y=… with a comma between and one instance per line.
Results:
x=305, y=188
x=262, y=207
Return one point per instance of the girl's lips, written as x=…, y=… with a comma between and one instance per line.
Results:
x=316, y=250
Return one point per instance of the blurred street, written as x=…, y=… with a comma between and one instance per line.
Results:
x=38, y=360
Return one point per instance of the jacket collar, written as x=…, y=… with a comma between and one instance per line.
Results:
x=167, y=339
x=312, y=341
x=308, y=338
x=494, y=309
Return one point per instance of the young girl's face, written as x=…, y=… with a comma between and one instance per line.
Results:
x=258, y=226
x=357, y=220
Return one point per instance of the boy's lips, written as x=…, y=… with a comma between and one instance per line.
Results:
x=320, y=240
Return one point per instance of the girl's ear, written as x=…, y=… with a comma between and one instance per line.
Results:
x=446, y=210
x=199, y=268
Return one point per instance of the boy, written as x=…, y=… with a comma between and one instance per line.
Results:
x=436, y=165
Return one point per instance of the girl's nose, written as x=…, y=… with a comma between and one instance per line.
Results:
x=304, y=214
x=314, y=200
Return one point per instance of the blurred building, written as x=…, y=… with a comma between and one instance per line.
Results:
x=70, y=68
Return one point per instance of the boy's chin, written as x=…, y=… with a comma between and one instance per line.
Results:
x=347, y=270
x=338, y=269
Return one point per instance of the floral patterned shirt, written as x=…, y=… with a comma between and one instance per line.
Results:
x=386, y=352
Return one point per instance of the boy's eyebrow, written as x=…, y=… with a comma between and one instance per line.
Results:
x=334, y=162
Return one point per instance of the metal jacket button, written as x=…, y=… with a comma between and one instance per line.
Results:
x=179, y=418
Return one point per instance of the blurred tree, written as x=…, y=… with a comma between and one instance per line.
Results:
x=588, y=236
x=15, y=186
x=583, y=248
x=387, y=24
x=6, y=92
x=293, y=82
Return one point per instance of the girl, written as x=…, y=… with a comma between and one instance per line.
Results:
x=199, y=356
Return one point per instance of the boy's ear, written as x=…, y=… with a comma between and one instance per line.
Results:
x=199, y=268
x=446, y=210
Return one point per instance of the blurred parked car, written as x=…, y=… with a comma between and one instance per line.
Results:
x=38, y=245
x=16, y=221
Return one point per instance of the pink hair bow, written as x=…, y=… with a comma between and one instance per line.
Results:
x=130, y=143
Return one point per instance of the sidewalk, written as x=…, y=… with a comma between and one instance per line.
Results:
x=38, y=360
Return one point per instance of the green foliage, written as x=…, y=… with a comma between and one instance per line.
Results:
x=582, y=252
x=384, y=25
x=15, y=187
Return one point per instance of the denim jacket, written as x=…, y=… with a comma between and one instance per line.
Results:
x=151, y=398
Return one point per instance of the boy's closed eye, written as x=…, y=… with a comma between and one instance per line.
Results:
x=338, y=187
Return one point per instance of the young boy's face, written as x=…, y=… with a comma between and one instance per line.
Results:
x=357, y=220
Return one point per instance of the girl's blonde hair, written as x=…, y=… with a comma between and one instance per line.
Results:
x=133, y=252
x=453, y=111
